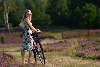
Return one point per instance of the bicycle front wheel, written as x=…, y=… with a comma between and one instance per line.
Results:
x=41, y=54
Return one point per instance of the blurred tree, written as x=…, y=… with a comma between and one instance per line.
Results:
x=16, y=16
x=89, y=15
x=1, y=19
x=73, y=4
x=42, y=5
x=70, y=13
x=38, y=7
x=41, y=18
x=98, y=15
x=57, y=11
x=95, y=2
x=76, y=18
x=7, y=6
x=97, y=20
x=29, y=4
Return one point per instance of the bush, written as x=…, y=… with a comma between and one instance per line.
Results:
x=21, y=35
x=40, y=18
x=3, y=40
x=89, y=12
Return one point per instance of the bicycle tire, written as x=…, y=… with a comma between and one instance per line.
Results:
x=42, y=54
x=39, y=53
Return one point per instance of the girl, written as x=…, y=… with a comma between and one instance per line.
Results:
x=28, y=40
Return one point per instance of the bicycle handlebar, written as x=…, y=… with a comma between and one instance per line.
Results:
x=35, y=34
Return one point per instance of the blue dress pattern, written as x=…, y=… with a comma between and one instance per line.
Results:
x=28, y=40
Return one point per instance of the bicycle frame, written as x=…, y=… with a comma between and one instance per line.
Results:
x=36, y=50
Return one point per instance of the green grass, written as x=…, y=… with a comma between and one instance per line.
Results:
x=56, y=31
x=56, y=35
x=58, y=28
x=17, y=48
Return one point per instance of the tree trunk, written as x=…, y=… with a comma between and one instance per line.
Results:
x=6, y=12
x=7, y=22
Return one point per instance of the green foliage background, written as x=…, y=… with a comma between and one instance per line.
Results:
x=81, y=14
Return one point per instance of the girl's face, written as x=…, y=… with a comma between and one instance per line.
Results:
x=28, y=14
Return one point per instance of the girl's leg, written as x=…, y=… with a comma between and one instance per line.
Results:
x=30, y=55
x=22, y=54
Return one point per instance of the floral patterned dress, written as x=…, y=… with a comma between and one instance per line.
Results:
x=28, y=40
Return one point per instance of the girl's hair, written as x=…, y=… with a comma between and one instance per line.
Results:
x=24, y=16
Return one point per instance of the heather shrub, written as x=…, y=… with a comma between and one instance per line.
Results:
x=80, y=33
x=89, y=48
x=6, y=60
x=73, y=48
x=83, y=47
x=3, y=39
x=21, y=35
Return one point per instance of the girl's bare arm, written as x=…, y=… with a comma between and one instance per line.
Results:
x=30, y=25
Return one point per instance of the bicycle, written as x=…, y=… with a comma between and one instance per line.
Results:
x=38, y=48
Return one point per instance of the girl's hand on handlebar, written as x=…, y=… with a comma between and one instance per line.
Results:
x=38, y=30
